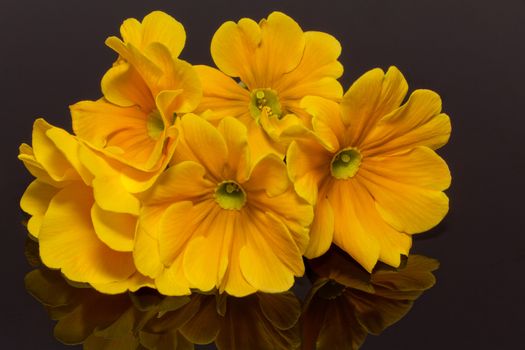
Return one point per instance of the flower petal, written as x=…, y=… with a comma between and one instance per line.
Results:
x=258, y=54
x=117, y=230
x=317, y=72
x=417, y=123
x=308, y=164
x=35, y=202
x=269, y=175
x=270, y=258
x=349, y=233
x=206, y=257
x=68, y=241
x=221, y=94
x=322, y=230
x=370, y=98
x=201, y=142
x=236, y=138
x=407, y=196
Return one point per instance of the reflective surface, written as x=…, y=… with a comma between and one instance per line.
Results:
x=343, y=305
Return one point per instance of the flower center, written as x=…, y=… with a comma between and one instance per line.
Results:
x=155, y=124
x=262, y=98
x=346, y=163
x=229, y=195
x=331, y=290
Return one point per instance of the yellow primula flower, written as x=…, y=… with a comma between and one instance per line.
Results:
x=277, y=65
x=76, y=235
x=214, y=221
x=143, y=92
x=371, y=168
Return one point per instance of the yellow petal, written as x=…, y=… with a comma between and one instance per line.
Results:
x=308, y=164
x=317, y=72
x=133, y=283
x=370, y=98
x=326, y=122
x=258, y=54
x=322, y=231
x=27, y=156
x=280, y=199
x=392, y=243
x=221, y=94
x=121, y=132
x=159, y=27
x=269, y=174
x=117, y=230
x=182, y=181
x=52, y=159
x=349, y=233
x=35, y=201
x=201, y=142
x=172, y=280
x=206, y=258
x=420, y=167
x=409, y=197
x=146, y=250
x=68, y=241
x=179, y=223
x=235, y=136
x=259, y=142
x=270, y=258
x=124, y=86
x=417, y=122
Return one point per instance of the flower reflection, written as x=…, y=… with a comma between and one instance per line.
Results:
x=344, y=304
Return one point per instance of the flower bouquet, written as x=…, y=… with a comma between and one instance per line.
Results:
x=189, y=187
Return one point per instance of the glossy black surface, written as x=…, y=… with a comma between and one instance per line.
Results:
x=471, y=52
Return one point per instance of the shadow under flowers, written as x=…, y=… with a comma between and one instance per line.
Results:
x=344, y=304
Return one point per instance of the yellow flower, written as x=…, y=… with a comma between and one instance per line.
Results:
x=371, y=168
x=143, y=92
x=345, y=303
x=86, y=241
x=212, y=220
x=277, y=64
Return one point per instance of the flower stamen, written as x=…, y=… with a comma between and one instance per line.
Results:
x=230, y=195
x=345, y=163
x=265, y=98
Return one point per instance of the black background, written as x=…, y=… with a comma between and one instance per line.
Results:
x=472, y=53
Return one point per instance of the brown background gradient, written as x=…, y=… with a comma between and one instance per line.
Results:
x=471, y=52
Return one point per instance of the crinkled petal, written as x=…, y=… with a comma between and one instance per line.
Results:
x=116, y=230
x=35, y=202
x=322, y=230
x=68, y=241
x=201, y=142
x=258, y=53
x=349, y=233
x=317, y=72
x=370, y=98
x=417, y=122
x=270, y=258
x=408, y=197
x=221, y=94
x=236, y=138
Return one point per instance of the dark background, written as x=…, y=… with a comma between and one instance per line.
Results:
x=472, y=53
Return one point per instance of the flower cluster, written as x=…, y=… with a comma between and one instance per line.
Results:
x=183, y=178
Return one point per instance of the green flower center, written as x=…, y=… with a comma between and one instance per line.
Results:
x=331, y=290
x=346, y=163
x=229, y=195
x=261, y=98
x=155, y=124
